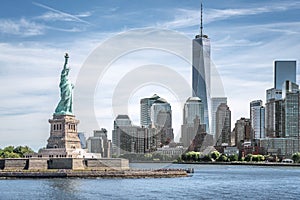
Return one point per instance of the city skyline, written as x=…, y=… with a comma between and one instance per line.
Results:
x=246, y=40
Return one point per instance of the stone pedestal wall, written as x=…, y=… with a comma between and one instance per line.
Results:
x=64, y=163
x=107, y=164
x=2, y=163
x=14, y=164
x=37, y=164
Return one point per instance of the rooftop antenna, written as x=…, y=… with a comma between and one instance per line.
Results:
x=201, y=26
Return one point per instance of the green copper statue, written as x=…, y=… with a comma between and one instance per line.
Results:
x=64, y=106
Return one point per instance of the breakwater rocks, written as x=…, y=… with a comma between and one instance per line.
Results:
x=162, y=173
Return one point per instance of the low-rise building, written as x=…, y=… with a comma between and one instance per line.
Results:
x=99, y=143
x=171, y=151
x=279, y=146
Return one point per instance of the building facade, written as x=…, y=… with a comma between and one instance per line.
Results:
x=128, y=138
x=193, y=107
x=120, y=121
x=290, y=94
x=284, y=70
x=215, y=102
x=283, y=147
x=145, y=112
x=257, y=117
x=242, y=131
x=223, y=125
x=99, y=143
x=161, y=118
x=192, y=110
x=274, y=110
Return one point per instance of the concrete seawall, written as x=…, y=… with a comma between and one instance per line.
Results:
x=93, y=174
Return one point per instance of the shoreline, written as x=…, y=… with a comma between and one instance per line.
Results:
x=162, y=173
x=271, y=164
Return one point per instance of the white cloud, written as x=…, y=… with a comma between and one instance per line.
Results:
x=190, y=17
x=22, y=27
x=57, y=15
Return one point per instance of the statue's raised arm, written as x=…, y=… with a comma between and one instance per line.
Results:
x=65, y=104
x=66, y=60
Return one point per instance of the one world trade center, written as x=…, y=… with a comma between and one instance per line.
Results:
x=201, y=71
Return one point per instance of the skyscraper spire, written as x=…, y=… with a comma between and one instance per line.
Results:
x=201, y=26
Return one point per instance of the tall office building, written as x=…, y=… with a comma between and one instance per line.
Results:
x=284, y=70
x=120, y=121
x=201, y=71
x=161, y=118
x=145, y=112
x=242, y=131
x=193, y=107
x=159, y=105
x=274, y=119
x=257, y=117
x=290, y=94
x=192, y=110
x=223, y=125
x=215, y=103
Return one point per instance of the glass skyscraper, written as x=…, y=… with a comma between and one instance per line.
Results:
x=215, y=102
x=290, y=93
x=145, y=113
x=284, y=70
x=201, y=73
x=257, y=117
x=192, y=114
x=223, y=125
x=193, y=108
x=158, y=107
x=275, y=119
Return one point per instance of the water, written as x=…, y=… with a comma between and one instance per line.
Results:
x=208, y=182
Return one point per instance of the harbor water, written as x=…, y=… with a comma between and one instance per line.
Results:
x=207, y=182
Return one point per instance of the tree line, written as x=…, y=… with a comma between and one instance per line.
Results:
x=15, y=152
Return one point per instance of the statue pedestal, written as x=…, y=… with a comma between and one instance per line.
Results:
x=63, y=132
x=64, y=141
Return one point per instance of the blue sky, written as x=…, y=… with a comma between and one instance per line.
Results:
x=246, y=38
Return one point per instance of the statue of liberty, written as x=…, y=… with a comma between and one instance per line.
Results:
x=64, y=106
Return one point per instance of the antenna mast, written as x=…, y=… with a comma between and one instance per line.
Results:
x=201, y=26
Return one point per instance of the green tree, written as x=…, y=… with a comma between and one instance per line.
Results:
x=248, y=157
x=296, y=157
x=234, y=157
x=21, y=151
x=222, y=158
x=191, y=156
x=9, y=149
x=215, y=155
x=261, y=157
x=11, y=155
x=255, y=158
x=206, y=158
